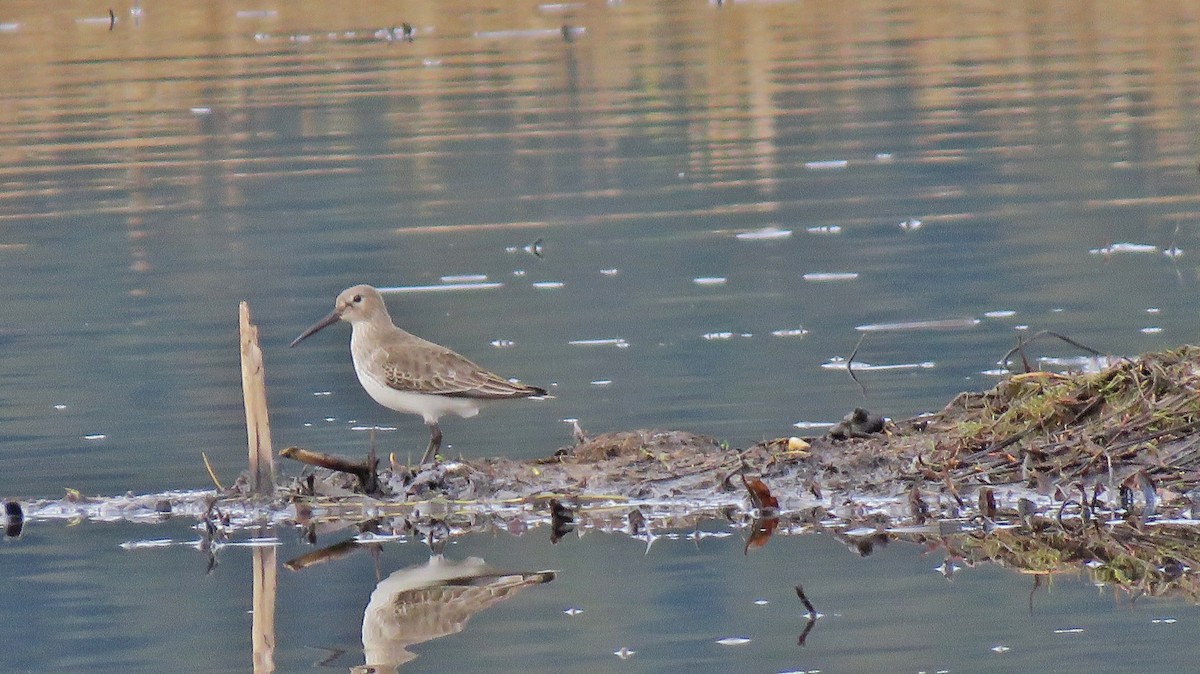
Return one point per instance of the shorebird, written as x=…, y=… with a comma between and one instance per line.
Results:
x=408, y=374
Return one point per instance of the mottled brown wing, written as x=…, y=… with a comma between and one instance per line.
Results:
x=425, y=367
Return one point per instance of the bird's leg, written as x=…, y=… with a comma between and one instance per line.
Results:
x=435, y=443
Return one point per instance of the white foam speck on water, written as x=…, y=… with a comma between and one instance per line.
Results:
x=733, y=641
x=201, y=110
x=601, y=382
x=609, y=272
x=825, y=276
x=1000, y=313
x=717, y=336
x=1173, y=252
x=624, y=653
x=1150, y=330
x=941, y=324
x=911, y=225
x=548, y=285
x=256, y=14
x=813, y=424
x=618, y=342
x=840, y=364
x=1069, y=630
x=142, y=545
x=884, y=157
x=824, y=229
x=1153, y=310
x=95, y=436
x=59, y=407
x=330, y=419
x=372, y=428
x=827, y=165
x=444, y=287
x=761, y=602
x=764, y=234
x=9, y=27
x=710, y=280
x=1124, y=247
x=1000, y=648
x=573, y=611
x=264, y=542
x=518, y=34
x=502, y=343
x=322, y=393
x=790, y=332
x=465, y=278
x=1163, y=621
x=557, y=7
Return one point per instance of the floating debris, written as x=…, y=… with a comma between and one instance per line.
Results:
x=142, y=545
x=939, y=324
x=824, y=229
x=827, y=165
x=14, y=519
x=445, y=287
x=1173, y=252
x=839, y=363
x=1124, y=247
x=764, y=234
x=831, y=276
x=618, y=342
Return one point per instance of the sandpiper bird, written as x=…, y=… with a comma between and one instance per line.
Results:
x=408, y=374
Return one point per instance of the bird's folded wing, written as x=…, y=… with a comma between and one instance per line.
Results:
x=429, y=368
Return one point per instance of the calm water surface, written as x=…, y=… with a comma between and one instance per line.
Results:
x=721, y=186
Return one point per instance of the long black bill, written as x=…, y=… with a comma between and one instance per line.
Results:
x=329, y=320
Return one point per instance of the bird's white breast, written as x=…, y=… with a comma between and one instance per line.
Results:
x=429, y=406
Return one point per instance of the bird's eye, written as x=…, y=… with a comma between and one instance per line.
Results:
x=358, y=299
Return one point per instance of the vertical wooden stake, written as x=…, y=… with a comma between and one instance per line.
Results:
x=254, y=394
x=262, y=626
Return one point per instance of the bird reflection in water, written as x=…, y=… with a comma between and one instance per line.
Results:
x=432, y=600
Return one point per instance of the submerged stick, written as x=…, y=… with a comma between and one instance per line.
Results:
x=254, y=394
